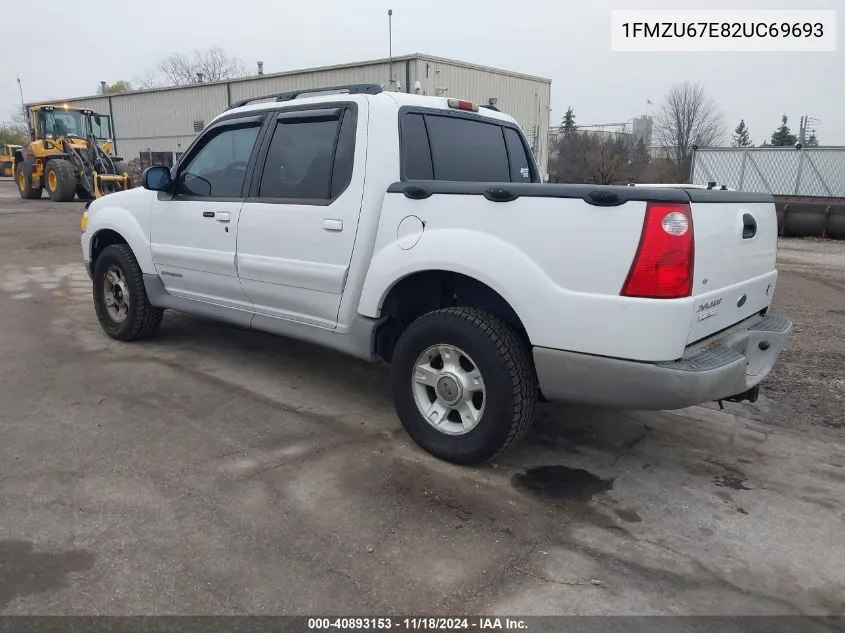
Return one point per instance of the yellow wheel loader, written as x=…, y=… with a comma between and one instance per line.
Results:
x=70, y=155
x=7, y=160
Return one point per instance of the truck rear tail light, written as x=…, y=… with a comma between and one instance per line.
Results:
x=663, y=264
x=462, y=105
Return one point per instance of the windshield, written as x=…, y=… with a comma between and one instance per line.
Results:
x=64, y=123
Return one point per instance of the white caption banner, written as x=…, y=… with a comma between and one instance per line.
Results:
x=723, y=31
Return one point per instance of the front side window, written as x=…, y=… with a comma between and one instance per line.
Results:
x=219, y=168
x=101, y=126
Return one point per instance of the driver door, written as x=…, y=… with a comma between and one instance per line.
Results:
x=194, y=230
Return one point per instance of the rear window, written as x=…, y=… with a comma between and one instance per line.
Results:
x=437, y=147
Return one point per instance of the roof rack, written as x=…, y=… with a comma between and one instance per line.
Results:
x=353, y=89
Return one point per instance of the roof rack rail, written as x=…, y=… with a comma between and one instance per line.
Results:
x=353, y=89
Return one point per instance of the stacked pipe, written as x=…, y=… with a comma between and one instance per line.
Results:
x=811, y=216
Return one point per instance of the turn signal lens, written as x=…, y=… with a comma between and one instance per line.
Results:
x=83, y=223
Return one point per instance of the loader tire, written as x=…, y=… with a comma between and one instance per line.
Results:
x=60, y=180
x=23, y=178
x=82, y=193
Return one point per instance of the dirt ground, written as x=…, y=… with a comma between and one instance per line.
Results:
x=219, y=471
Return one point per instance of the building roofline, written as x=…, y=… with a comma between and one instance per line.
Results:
x=300, y=71
x=492, y=69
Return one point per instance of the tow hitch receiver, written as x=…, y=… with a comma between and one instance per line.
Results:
x=751, y=395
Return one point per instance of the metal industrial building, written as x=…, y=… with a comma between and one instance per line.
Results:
x=161, y=123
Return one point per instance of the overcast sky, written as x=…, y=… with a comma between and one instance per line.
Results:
x=564, y=40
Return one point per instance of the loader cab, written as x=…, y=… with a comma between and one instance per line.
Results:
x=53, y=122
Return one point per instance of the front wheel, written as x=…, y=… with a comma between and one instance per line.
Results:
x=120, y=299
x=24, y=182
x=60, y=180
x=463, y=384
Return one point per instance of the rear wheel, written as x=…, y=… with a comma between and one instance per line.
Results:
x=6, y=170
x=120, y=299
x=60, y=180
x=463, y=384
x=24, y=181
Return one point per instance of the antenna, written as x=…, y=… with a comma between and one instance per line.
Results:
x=390, y=42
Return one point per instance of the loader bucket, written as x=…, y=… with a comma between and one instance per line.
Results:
x=109, y=183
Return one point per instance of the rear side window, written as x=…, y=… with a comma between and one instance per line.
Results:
x=309, y=159
x=466, y=150
x=437, y=147
x=519, y=166
x=416, y=154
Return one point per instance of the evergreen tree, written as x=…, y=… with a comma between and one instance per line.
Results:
x=741, y=137
x=567, y=125
x=783, y=137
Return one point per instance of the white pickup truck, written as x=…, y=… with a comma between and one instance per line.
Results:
x=415, y=230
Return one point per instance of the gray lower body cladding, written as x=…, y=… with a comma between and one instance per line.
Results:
x=726, y=365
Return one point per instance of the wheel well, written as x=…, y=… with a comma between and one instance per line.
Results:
x=101, y=240
x=423, y=292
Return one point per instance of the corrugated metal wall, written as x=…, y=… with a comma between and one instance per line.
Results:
x=372, y=73
x=163, y=120
x=100, y=105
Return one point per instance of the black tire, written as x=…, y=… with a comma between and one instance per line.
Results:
x=6, y=170
x=60, y=180
x=24, y=181
x=83, y=194
x=142, y=319
x=507, y=371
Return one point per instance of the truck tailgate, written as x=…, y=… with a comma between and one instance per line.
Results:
x=734, y=274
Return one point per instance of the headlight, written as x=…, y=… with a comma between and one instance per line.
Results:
x=83, y=223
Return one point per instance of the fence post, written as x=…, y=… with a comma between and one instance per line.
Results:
x=798, y=175
x=692, y=167
x=742, y=169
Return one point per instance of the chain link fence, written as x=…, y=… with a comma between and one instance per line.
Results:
x=780, y=171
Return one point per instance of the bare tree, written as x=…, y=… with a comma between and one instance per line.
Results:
x=603, y=158
x=688, y=118
x=213, y=64
x=147, y=80
x=178, y=69
x=593, y=158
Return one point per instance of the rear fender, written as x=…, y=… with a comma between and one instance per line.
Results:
x=553, y=317
x=491, y=260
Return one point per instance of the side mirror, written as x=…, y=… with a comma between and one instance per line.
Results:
x=157, y=178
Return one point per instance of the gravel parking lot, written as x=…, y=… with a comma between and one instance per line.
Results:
x=215, y=470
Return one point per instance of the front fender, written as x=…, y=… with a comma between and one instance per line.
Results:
x=127, y=225
x=484, y=257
